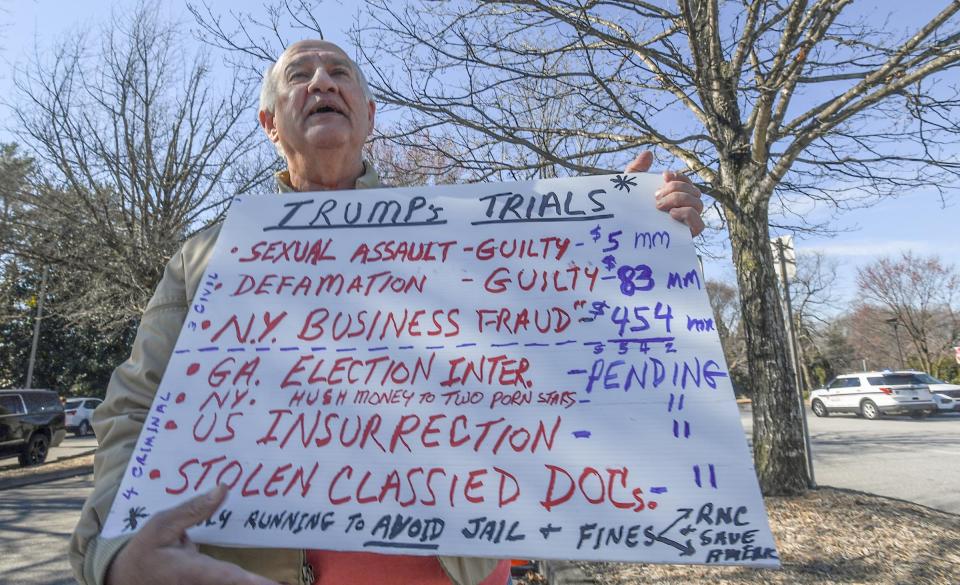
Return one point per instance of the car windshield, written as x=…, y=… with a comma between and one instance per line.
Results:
x=72, y=403
x=928, y=379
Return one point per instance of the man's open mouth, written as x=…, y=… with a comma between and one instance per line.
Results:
x=324, y=109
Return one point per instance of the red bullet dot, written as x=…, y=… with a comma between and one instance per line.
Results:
x=155, y=474
x=181, y=397
x=193, y=369
x=233, y=250
x=219, y=286
x=652, y=505
x=252, y=402
x=170, y=425
x=205, y=325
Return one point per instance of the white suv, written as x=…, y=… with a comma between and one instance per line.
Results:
x=79, y=414
x=947, y=396
x=872, y=394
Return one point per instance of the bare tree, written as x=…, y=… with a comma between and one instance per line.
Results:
x=813, y=288
x=725, y=302
x=919, y=297
x=412, y=162
x=870, y=336
x=812, y=291
x=773, y=106
x=15, y=170
x=835, y=353
x=770, y=104
x=138, y=143
x=251, y=42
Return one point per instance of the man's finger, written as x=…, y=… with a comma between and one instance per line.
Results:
x=204, y=570
x=669, y=176
x=677, y=187
x=679, y=199
x=168, y=527
x=690, y=217
x=641, y=164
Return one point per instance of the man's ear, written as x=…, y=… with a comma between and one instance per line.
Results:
x=267, y=123
x=371, y=115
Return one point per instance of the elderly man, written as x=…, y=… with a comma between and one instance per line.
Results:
x=315, y=106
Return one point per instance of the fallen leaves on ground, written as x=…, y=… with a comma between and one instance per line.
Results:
x=831, y=537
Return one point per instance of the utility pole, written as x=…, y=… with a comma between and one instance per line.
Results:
x=896, y=335
x=36, y=328
x=794, y=354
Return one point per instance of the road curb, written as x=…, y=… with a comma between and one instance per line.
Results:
x=16, y=482
x=7, y=483
x=895, y=499
x=67, y=458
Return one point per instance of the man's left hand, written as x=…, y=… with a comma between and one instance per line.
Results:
x=678, y=196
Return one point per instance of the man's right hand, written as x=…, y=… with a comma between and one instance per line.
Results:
x=162, y=554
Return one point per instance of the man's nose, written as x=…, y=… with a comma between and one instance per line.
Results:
x=321, y=81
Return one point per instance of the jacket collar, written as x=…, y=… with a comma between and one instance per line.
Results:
x=370, y=179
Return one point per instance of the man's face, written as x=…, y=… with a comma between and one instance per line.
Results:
x=320, y=103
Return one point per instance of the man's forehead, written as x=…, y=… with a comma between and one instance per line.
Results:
x=313, y=49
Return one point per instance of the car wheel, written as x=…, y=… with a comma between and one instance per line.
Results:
x=84, y=429
x=819, y=409
x=35, y=451
x=869, y=410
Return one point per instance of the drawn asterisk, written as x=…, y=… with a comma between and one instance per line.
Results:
x=133, y=518
x=622, y=182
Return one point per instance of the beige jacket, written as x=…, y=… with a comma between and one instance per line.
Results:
x=130, y=393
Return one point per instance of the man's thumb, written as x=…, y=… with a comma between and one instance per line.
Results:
x=641, y=164
x=171, y=524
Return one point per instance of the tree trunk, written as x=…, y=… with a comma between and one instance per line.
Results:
x=778, y=447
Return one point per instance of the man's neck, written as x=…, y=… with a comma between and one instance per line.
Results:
x=324, y=174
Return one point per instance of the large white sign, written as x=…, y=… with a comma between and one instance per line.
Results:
x=504, y=370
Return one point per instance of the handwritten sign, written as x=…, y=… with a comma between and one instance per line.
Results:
x=504, y=370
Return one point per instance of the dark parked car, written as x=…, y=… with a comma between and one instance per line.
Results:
x=31, y=421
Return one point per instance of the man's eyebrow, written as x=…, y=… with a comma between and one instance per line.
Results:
x=341, y=62
x=297, y=62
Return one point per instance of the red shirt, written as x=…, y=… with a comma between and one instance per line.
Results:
x=362, y=568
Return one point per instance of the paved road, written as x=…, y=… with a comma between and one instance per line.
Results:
x=35, y=526
x=895, y=456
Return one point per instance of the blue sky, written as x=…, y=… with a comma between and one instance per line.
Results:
x=916, y=221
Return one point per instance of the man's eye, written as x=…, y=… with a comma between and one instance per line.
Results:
x=341, y=71
x=298, y=75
